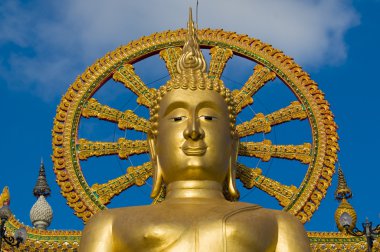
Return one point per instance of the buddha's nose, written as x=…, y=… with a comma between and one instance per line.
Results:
x=193, y=130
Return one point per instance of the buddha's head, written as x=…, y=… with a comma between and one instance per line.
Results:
x=193, y=133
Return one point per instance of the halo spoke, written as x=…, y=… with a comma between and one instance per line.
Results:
x=132, y=81
x=135, y=175
x=171, y=56
x=219, y=58
x=265, y=151
x=252, y=177
x=124, y=120
x=258, y=79
x=123, y=147
x=261, y=123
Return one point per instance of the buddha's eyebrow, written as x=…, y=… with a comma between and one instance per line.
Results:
x=208, y=104
x=175, y=105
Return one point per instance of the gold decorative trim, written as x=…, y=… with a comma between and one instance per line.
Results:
x=134, y=176
x=345, y=207
x=258, y=79
x=336, y=242
x=219, y=58
x=123, y=148
x=254, y=178
x=171, y=56
x=132, y=81
x=43, y=240
x=262, y=123
x=124, y=120
x=265, y=150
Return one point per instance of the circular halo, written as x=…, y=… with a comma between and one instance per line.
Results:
x=320, y=155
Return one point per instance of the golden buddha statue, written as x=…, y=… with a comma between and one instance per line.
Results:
x=193, y=148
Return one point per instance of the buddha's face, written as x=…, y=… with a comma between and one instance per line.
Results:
x=194, y=140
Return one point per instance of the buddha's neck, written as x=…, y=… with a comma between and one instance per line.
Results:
x=193, y=189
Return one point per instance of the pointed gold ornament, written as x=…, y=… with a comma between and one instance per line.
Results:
x=343, y=193
x=192, y=57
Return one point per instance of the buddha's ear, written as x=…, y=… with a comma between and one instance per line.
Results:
x=152, y=146
x=231, y=175
x=157, y=172
x=235, y=146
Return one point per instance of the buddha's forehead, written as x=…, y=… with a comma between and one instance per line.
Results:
x=192, y=99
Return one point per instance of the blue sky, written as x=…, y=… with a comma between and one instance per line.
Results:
x=44, y=46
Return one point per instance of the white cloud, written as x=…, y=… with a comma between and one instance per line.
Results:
x=50, y=43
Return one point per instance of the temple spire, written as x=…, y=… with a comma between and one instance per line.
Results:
x=41, y=187
x=342, y=192
x=41, y=213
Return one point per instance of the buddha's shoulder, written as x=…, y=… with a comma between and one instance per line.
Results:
x=246, y=212
x=282, y=218
x=112, y=215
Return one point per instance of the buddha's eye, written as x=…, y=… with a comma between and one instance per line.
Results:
x=177, y=118
x=208, y=117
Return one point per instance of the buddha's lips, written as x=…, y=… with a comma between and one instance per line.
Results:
x=194, y=149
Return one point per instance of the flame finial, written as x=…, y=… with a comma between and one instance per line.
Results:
x=192, y=57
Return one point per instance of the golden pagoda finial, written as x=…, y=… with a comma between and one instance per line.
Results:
x=342, y=192
x=192, y=57
x=345, y=208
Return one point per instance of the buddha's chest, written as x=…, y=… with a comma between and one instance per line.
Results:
x=198, y=230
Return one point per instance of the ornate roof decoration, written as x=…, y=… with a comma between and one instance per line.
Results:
x=44, y=240
x=41, y=187
x=345, y=207
x=5, y=198
x=342, y=192
x=41, y=213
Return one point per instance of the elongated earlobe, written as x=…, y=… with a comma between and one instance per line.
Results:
x=231, y=181
x=231, y=173
x=157, y=178
x=157, y=172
